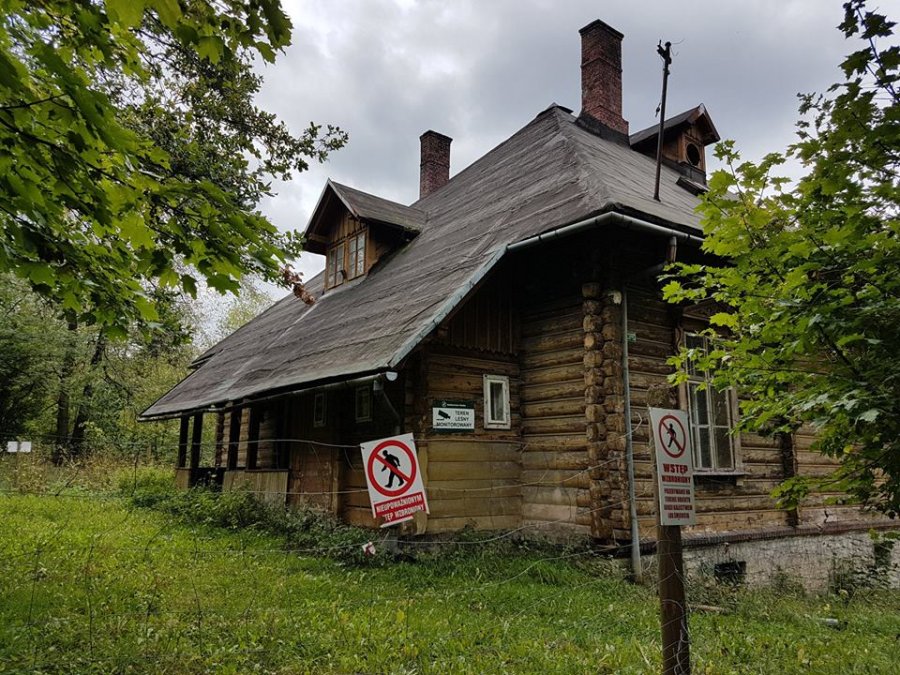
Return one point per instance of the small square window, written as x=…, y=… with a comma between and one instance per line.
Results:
x=319, y=409
x=496, y=402
x=363, y=404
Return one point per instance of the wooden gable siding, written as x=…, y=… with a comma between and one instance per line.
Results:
x=556, y=489
x=487, y=321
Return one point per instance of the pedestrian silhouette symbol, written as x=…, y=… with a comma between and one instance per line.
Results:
x=673, y=436
x=394, y=461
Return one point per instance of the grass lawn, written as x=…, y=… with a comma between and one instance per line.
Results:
x=92, y=584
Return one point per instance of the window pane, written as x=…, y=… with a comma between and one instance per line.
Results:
x=361, y=254
x=704, y=452
x=498, y=407
x=720, y=406
x=699, y=410
x=724, y=455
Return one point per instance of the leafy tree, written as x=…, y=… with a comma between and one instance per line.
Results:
x=133, y=155
x=810, y=292
x=32, y=341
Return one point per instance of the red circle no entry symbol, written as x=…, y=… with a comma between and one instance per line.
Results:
x=672, y=436
x=386, y=462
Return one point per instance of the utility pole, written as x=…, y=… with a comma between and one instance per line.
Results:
x=666, y=54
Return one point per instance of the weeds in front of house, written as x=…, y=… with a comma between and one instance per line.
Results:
x=131, y=575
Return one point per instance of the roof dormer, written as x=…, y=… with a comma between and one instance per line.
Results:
x=685, y=138
x=353, y=229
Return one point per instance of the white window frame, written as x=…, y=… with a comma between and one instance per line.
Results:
x=701, y=381
x=491, y=419
x=320, y=420
x=366, y=393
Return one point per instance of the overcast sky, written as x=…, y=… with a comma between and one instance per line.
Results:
x=478, y=70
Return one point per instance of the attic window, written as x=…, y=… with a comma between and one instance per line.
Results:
x=694, y=156
x=356, y=263
x=334, y=270
x=346, y=259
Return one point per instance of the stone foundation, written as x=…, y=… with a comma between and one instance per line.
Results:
x=818, y=562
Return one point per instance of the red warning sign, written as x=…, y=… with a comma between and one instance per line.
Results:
x=393, y=478
x=674, y=467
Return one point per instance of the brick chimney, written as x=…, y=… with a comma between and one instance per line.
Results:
x=435, y=164
x=601, y=75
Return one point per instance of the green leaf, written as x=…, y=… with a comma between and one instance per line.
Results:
x=169, y=11
x=128, y=12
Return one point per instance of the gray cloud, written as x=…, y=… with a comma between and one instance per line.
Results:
x=386, y=71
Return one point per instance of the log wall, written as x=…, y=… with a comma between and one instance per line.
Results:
x=555, y=477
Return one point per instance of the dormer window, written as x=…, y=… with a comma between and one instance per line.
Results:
x=356, y=263
x=335, y=266
x=346, y=259
x=353, y=229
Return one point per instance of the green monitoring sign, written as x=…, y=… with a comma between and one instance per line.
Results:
x=453, y=416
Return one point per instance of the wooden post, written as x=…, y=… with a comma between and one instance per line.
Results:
x=253, y=438
x=672, y=607
x=234, y=439
x=182, y=442
x=196, y=440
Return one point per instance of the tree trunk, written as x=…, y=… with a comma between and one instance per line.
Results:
x=84, y=405
x=62, y=445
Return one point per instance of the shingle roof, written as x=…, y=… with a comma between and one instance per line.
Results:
x=552, y=172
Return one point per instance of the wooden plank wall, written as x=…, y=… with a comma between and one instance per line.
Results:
x=314, y=468
x=473, y=479
x=355, y=506
x=824, y=506
x=555, y=490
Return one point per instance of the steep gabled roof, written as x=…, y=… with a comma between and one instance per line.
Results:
x=362, y=206
x=553, y=172
x=698, y=115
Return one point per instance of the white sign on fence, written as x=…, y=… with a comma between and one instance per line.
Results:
x=674, y=466
x=24, y=446
x=12, y=446
x=394, y=479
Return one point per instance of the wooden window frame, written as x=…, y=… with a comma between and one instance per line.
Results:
x=703, y=381
x=335, y=270
x=356, y=261
x=491, y=421
x=346, y=258
x=320, y=421
x=363, y=415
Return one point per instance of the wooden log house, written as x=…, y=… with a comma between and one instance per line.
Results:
x=503, y=286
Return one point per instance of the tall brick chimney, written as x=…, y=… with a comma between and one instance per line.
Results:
x=435, y=164
x=601, y=75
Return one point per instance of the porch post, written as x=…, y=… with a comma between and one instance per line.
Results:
x=234, y=439
x=182, y=443
x=196, y=440
x=253, y=438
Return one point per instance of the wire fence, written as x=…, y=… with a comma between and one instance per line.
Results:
x=83, y=567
